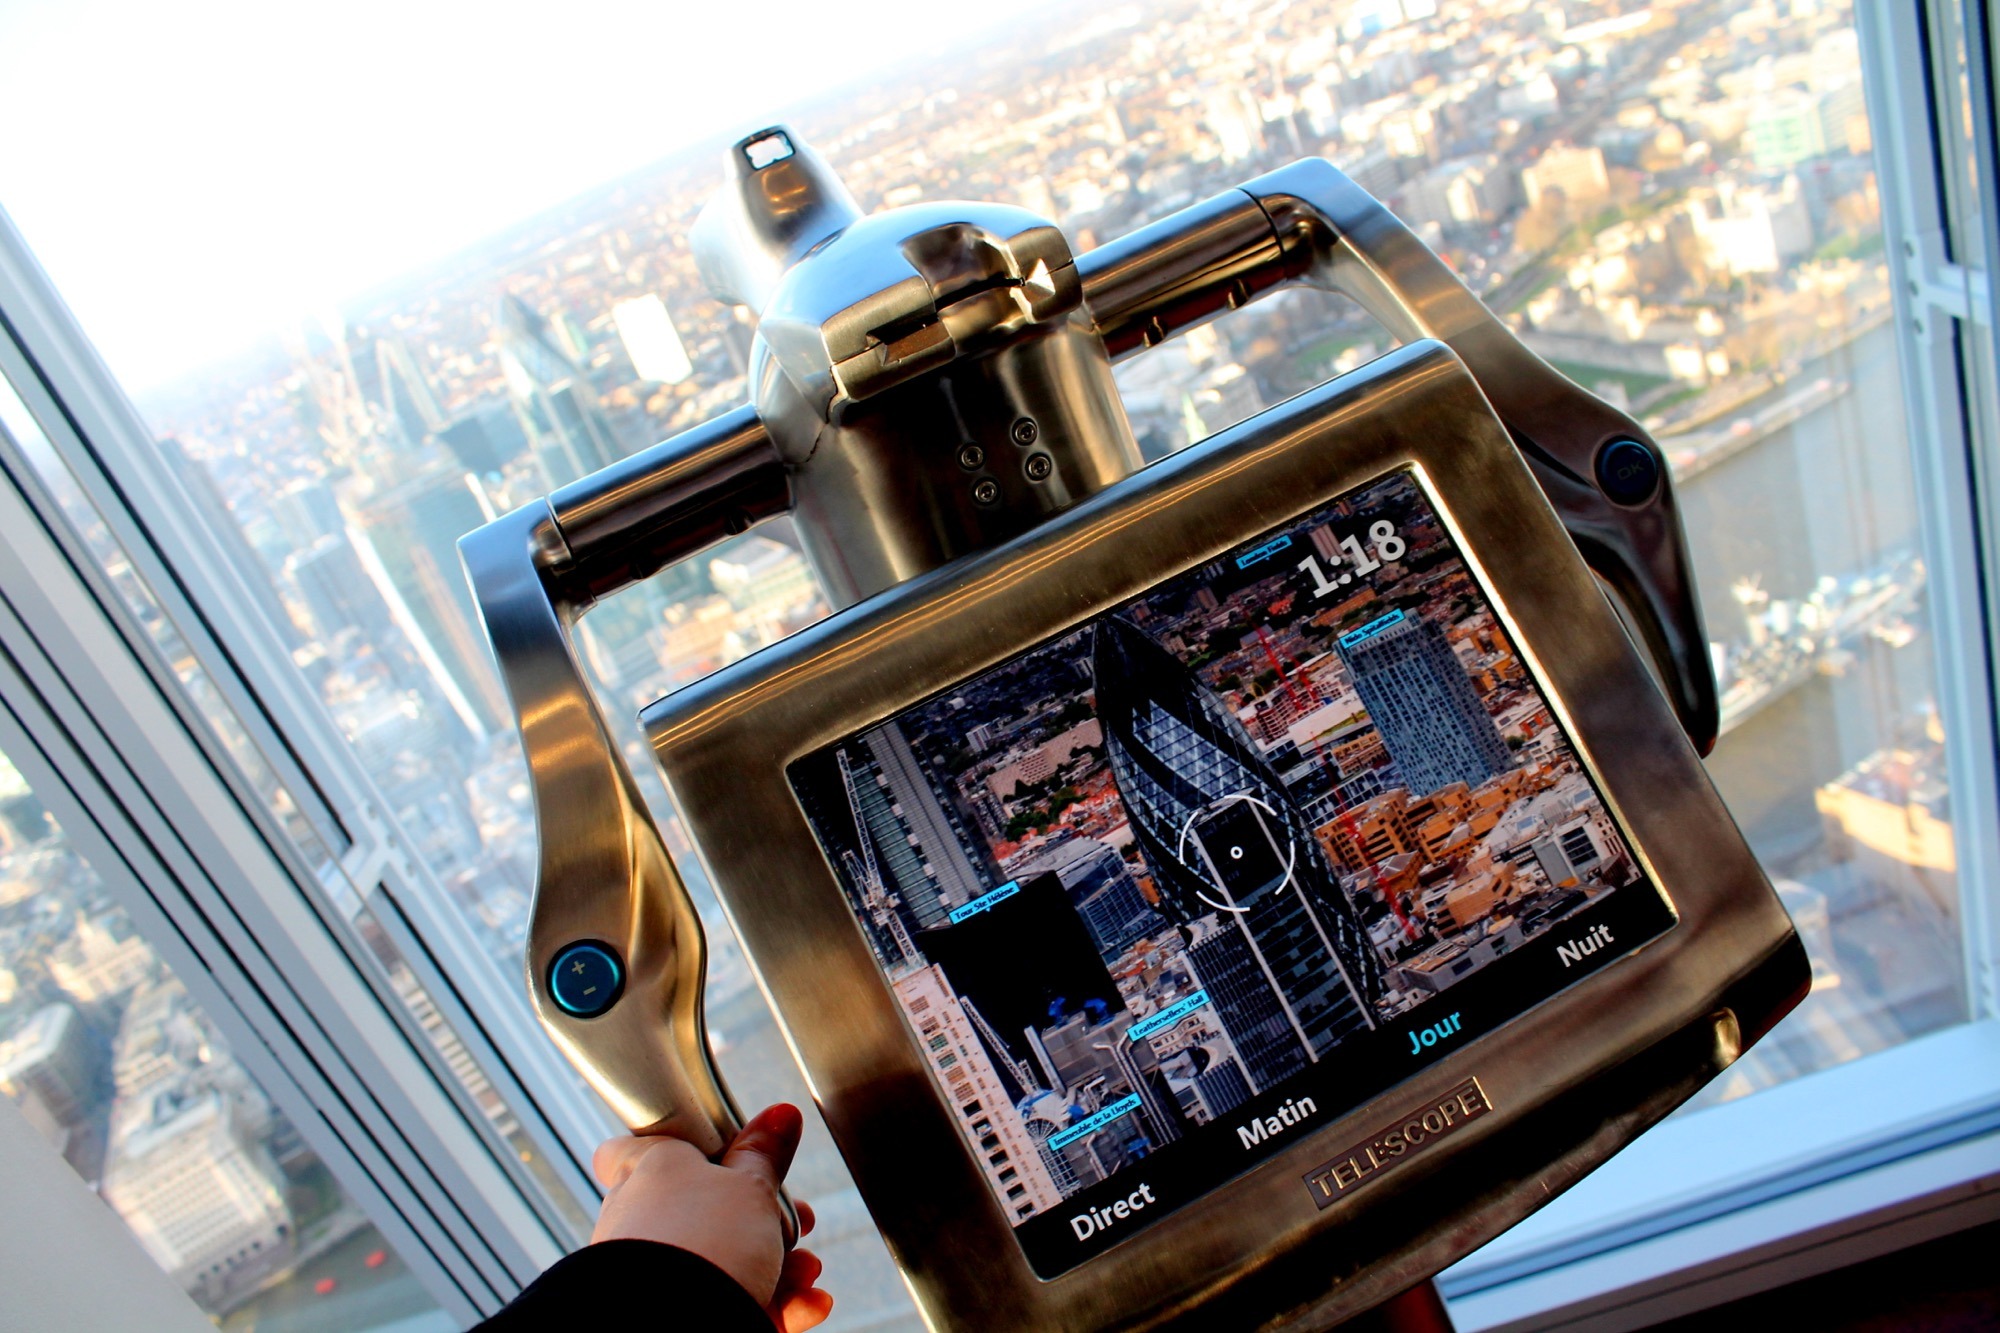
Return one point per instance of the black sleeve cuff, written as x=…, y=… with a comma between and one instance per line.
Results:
x=653, y=1286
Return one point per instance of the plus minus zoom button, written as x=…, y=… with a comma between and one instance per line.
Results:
x=586, y=979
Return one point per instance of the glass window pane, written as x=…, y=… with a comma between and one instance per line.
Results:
x=25, y=432
x=106, y=1054
x=349, y=899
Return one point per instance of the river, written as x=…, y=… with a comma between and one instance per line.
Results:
x=1829, y=494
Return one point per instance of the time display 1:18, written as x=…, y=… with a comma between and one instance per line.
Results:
x=1388, y=546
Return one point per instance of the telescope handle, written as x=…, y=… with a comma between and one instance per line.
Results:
x=1308, y=225
x=604, y=879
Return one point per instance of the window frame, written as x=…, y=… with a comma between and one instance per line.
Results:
x=105, y=445
x=167, y=852
x=143, y=787
x=144, y=790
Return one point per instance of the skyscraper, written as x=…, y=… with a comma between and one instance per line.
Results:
x=1101, y=885
x=881, y=825
x=337, y=592
x=1224, y=840
x=340, y=596
x=552, y=395
x=1011, y=1159
x=407, y=540
x=650, y=340
x=1419, y=697
x=220, y=523
x=942, y=848
x=1265, y=1032
x=621, y=635
x=403, y=398
x=485, y=439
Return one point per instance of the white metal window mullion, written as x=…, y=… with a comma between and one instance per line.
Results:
x=235, y=904
x=249, y=923
x=372, y=857
x=1954, y=466
x=529, y=1092
x=1979, y=255
x=108, y=449
x=488, y=1010
x=34, y=741
x=84, y=413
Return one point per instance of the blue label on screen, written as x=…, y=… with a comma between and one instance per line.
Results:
x=1168, y=1016
x=1119, y=1109
x=1263, y=553
x=1371, y=629
x=985, y=902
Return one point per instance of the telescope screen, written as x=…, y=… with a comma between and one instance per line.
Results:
x=1163, y=895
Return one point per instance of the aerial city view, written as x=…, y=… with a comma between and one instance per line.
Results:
x=1675, y=203
x=1146, y=871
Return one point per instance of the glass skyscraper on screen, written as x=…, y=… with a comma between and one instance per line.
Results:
x=1287, y=964
x=1419, y=697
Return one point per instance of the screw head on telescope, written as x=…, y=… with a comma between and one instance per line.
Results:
x=586, y=979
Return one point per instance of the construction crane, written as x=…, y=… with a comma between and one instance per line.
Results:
x=1023, y=1079
x=879, y=902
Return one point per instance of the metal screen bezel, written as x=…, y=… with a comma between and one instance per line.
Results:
x=725, y=743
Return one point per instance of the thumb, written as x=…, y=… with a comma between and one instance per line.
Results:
x=764, y=1147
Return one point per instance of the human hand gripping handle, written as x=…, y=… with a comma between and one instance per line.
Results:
x=728, y=1212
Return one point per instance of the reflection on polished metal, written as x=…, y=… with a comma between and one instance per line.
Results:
x=933, y=385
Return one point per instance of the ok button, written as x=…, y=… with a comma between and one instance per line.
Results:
x=586, y=979
x=1628, y=472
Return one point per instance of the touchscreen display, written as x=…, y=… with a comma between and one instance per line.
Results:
x=1162, y=895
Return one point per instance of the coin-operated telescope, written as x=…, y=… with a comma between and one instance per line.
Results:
x=1214, y=895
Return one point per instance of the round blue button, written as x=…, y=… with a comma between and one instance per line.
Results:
x=1628, y=472
x=586, y=979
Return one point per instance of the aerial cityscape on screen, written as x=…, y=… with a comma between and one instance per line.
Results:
x=1167, y=862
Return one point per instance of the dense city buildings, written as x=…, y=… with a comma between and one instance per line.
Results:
x=1674, y=203
x=112, y=1062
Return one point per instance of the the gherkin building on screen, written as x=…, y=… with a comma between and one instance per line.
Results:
x=1273, y=937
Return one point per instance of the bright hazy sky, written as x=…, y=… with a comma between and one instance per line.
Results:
x=197, y=172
